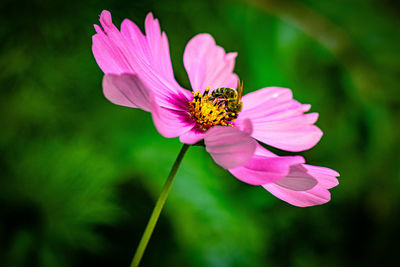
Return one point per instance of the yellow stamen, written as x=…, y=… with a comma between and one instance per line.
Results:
x=208, y=113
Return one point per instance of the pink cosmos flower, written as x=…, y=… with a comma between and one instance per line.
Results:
x=138, y=74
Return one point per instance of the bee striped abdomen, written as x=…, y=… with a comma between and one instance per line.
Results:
x=224, y=93
x=230, y=99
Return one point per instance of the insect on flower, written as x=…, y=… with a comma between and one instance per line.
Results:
x=230, y=98
x=138, y=74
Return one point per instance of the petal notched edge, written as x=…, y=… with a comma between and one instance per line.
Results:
x=129, y=51
x=317, y=195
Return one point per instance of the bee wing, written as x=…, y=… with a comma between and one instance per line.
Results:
x=240, y=89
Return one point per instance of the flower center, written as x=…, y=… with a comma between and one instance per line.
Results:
x=215, y=109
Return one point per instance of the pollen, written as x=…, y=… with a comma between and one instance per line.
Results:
x=208, y=113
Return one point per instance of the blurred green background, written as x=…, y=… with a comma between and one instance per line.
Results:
x=80, y=176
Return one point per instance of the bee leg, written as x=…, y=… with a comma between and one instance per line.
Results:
x=206, y=91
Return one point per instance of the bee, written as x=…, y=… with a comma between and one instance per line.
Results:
x=231, y=98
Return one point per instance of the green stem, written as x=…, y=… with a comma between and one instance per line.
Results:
x=157, y=209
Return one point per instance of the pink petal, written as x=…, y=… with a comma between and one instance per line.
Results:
x=326, y=176
x=208, y=65
x=261, y=170
x=129, y=51
x=303, y=185
x=129, y=90
x=246, y=126
x=315, y=196
x=297, y=179
x=170, y=123
x=319, y=194
x=192, y=137
x=111, y=51
x=126, y=90
x=151, y=50
x=278, y=120
x=228, y=146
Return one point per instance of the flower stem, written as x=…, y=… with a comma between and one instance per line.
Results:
x=157, y=209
